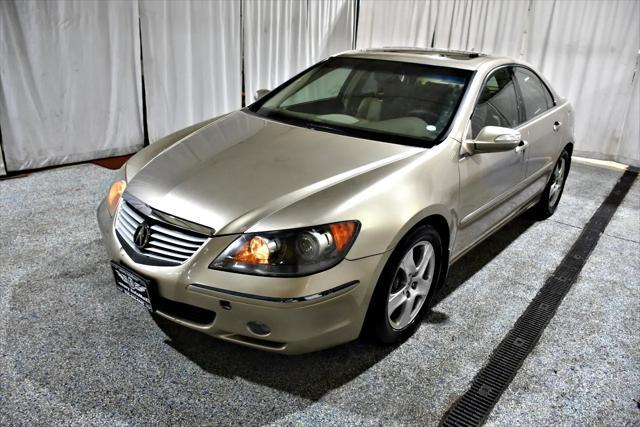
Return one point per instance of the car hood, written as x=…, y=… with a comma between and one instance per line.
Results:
x=241, y=168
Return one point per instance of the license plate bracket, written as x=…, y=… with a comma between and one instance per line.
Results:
x=131, y=283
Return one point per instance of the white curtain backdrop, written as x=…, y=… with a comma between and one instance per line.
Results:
x=495, y=26
x=587, y=49
x=191, y=56
x=283, y=37
x=69, y=81
x=631, y=125
x=482, y=25
x=71, y=75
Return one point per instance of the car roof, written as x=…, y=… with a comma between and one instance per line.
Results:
x=467, y=60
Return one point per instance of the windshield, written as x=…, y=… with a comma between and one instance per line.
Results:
x=398, y=102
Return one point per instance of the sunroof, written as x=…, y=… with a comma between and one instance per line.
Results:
x=435, y=52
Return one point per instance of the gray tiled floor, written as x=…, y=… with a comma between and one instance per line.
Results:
x=586, y=367
x=74, y=349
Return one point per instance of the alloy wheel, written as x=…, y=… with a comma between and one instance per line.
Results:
x=411, y=284
x=556, y=184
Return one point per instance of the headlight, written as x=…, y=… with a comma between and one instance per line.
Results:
x=298, y=252
x=116, y=190
x=114, y=195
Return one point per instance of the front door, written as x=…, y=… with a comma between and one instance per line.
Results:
x=489, y=181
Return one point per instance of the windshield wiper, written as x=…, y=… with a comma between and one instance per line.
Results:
x=321, y=126
x=295, y=120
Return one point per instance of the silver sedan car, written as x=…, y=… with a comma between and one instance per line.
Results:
x=336, y=202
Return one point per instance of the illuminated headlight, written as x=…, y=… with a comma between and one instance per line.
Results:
x=297, y=252
x=115, y=192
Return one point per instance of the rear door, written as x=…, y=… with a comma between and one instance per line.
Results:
x=542, y=121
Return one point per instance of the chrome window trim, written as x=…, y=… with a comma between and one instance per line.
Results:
x=518, y=95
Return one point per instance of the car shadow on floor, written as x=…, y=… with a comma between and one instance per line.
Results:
x=476, y=259
x=311, y=376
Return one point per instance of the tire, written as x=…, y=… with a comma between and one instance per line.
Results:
x=553, y=191
x=400, y=278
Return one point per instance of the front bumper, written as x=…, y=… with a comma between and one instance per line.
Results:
x=303, y=313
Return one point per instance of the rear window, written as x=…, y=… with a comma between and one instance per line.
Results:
x=535, y=95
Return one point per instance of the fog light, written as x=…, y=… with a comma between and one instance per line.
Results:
x=259, y=328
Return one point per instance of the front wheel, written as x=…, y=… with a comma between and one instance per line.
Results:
x=406, y=285
x=553, y=191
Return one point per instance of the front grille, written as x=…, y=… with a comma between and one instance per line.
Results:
x=167, y=245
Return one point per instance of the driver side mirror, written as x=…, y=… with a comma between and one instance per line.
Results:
x=260, y=93
x=492, y=139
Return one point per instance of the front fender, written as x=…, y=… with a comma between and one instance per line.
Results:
x=387, y=201
x=438, y=210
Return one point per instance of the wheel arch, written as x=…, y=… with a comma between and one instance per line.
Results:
x=443, y=227
x=440, y=224
x=569, y=147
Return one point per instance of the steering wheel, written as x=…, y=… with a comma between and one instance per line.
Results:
x=426, y=115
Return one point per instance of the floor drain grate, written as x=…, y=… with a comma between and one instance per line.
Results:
x=473, y=407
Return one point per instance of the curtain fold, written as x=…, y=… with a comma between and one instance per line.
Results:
x=192, y=62
x=69, y=81
x=586, y=49
x=482, y=26
x=397, y=23
x=630, y=142
x=283, y=37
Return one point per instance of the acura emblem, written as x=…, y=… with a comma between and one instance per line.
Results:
x=142, y=235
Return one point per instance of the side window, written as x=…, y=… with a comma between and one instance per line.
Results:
x=535, y=96
x=325, y=87
x=497, y=105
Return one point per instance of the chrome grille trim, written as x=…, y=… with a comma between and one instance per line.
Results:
x=171, y=247
x=129, y=222
x=128, y=227
x=177, y=234
x=168, y=244
x=162, y=237
x=168, y=253
x=165, y=218
x=131, y=212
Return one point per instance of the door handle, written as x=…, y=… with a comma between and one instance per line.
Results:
x=556, y=126
x=522, y=146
